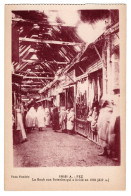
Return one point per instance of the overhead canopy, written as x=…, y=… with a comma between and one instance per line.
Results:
x=46, y=42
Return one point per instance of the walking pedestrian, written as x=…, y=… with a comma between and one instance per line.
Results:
x=31, y=119
x=103, y=126
x=63, y=120
x=41, y=118
x=55, y=119
x=47, y=117
x=20, y=125
x=114, y=136
x=94, y=122
x=70, y=121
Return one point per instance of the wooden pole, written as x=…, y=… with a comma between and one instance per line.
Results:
x=47, y=41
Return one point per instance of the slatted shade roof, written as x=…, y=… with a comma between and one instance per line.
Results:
x=41, y=47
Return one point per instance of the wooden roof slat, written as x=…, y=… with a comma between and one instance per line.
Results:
x=25, y=39
x=49, y=67
x=37, y=77
x=25, y=50
x=43, y=23
x=22, y=66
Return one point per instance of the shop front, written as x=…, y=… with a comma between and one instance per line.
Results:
x=69, y=90
x=89, y=89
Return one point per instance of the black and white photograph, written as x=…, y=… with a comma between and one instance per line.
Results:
x=65, y=88
x=65, y=97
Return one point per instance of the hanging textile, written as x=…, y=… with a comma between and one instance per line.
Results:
x=99, y=90
x=92, y=91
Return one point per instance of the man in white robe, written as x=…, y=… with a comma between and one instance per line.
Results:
x=31, y=118
x=19, y=125
x=70, y=121
x=41, y=118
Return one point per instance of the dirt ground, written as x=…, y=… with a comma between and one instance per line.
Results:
x=49, y=148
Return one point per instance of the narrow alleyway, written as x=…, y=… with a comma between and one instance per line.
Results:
x=49, y=148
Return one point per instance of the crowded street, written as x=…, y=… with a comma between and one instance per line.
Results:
x=49, y=148
x=65, y=88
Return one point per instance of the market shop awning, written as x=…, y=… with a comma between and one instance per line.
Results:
x=46, y=42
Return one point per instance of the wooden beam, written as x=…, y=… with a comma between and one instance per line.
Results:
x=37, y=77
x=44, y=23
x=35, y=72
x=21, y=66
x=18, y=75
x=77, y=58
x=30, y=85
x=31, y=89
x=46, y=64
x=69, y=77
x=38, y=61
x=64, y=63
x=99, y=55
x=25, y=50
x=81, y=70
x=25, y=39
x=30, y=60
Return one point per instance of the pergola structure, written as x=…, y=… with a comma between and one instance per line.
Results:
x=42, y=48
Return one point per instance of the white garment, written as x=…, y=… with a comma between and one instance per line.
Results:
x=70, y=120
x=31, y=117
x=41, y=117
x=99, y=90
x=20, y=125
x=47, y=117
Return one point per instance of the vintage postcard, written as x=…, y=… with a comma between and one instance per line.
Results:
x=65, y=97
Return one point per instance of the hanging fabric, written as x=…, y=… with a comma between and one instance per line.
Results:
x=99, y=90
x=92, y=91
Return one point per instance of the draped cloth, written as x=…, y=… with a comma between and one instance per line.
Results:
x=19, y=123
x=91, y=92
x=70, y=120
x=63, y=119
x=99, y=90
x=55, y=119
x=104, y=126
x=31, y=118
x=40, y=117
x=47, y=117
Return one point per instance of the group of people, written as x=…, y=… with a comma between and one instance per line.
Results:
x=36, y=116
x=64, y=120
x=106, y=124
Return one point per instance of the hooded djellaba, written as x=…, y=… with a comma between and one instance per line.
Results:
x=31, y=118
x=71, y=121
x=41, y=118
x=19, y=125
x=47, y=117
x=63, y=120
x=55, y=119
x=105, y=127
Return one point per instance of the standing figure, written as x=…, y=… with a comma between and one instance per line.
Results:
x=47, y=117
x=20, y=125
x=89, y=117
x=71, y=121
x=24, y=115
x=31, y=119
x=94, y=122
x=114, y=134
x=55, y=119
x=41, y=118
x=103, y=126
x=63, y=120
